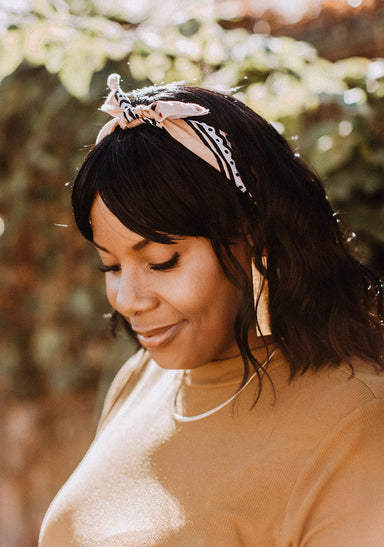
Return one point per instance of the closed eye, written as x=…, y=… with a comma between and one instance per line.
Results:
x=167, y=265
x=114, y=268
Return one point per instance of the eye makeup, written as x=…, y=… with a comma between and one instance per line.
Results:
x=167, y=265
x=159, y=267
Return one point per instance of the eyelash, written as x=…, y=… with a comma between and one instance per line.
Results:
x=162, y=267
x=167, y=265
x=105, y=269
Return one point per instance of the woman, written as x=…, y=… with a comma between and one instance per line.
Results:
x=228, y=427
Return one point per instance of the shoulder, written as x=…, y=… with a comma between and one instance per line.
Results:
x=338, y=494
x=340, y=390
x=126, y=378
x=364, y=376
x=338, y=497
x=351, y=386
x=319, y=407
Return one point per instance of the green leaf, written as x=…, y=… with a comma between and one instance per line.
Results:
x=80, y=62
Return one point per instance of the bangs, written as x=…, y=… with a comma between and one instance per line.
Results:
x=156, y=188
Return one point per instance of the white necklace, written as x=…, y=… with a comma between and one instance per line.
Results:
x=180, y=418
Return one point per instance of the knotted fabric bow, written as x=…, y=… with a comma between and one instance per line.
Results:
x=204, y=140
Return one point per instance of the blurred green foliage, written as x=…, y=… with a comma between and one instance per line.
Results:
x=54, y=59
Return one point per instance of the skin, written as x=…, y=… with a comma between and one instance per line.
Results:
x=184, y=314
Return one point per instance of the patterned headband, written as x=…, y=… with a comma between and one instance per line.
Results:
x=204, y=140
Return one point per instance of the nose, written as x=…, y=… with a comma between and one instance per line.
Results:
x=129, y=294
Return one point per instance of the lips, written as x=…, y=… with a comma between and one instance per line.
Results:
x=159, y=336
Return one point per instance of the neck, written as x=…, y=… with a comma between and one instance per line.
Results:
x=261, y=341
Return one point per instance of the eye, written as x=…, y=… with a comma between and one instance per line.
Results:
x=167, y=265
x=114, y=268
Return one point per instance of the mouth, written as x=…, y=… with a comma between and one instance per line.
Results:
x=159, y=336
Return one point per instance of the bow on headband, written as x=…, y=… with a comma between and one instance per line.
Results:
x=207, y=142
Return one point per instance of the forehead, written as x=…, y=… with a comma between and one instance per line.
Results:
x=107, y=227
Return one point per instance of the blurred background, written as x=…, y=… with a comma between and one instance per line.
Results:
x=314, y=68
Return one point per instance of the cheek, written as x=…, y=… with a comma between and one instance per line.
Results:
x=204, y=292
x=111, y=288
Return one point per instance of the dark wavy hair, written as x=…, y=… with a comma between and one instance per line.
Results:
x=324, y=306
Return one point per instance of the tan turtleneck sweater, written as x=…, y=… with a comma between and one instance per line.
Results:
x=304, y=468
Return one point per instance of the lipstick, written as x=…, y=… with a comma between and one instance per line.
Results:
x=153, y=338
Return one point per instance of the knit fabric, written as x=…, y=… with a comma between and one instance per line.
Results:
x=304, y=467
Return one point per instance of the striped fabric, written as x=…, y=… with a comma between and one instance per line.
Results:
x=217, y=141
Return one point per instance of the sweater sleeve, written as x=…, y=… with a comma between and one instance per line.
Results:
x=338, y=499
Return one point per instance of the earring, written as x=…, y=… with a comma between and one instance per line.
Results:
x=261, y=299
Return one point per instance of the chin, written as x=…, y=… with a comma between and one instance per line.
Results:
x=170, y=361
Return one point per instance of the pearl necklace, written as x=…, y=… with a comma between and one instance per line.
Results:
x=180, y=418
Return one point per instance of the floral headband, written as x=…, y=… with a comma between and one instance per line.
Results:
x=204, y=140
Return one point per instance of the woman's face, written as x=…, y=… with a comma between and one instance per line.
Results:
x=176, y=297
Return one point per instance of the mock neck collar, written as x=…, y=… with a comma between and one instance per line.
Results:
x=224, y=372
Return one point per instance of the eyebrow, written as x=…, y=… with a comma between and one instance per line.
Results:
x=136, y=247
